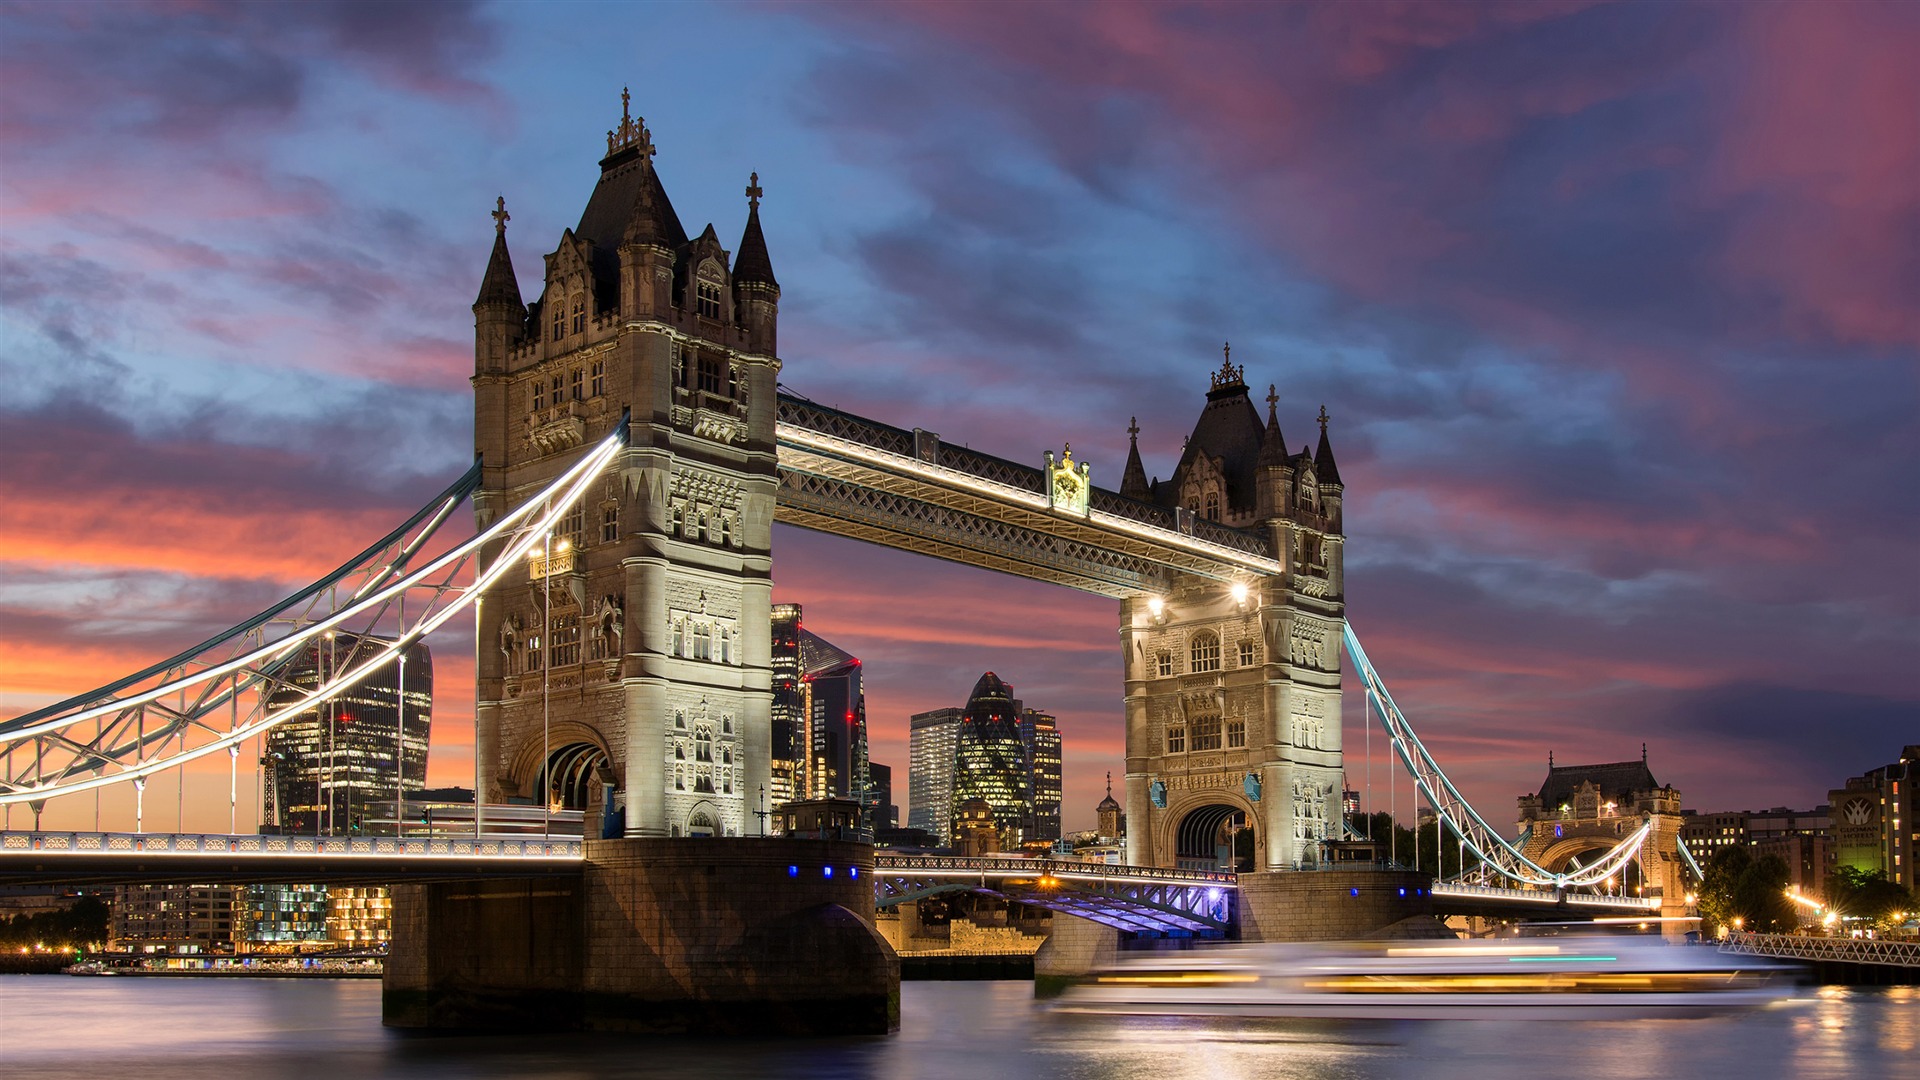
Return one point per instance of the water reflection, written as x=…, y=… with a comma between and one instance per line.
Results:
x=176, y=1029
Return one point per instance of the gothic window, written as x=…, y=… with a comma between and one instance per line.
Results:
x=709, y=374
x=1206, y=733
x=726, y=531
x=574, y=524
x=679, y=781
x=733, y=381
x=726, y=755
x=533, y=652
x=1203, y=652
x=729, y=783
x=559, y=319
x=555, y=387
x=703, y=782
x=539, y=395
x=679, y=752
x=1163, y=664
x=702, y=635
x=1247, y=655
x=708, y=294
x=598, y=383
x=1177, y=740
x=579, y=312
x=1213, y=506
x=679, y=365
x=726, y=725
x=703, y=744
x=565, y=648
x=1236, y=733
x=680, y=719
x=680, y=649
x=726, y=645
x=579, y=379
x=609, y=523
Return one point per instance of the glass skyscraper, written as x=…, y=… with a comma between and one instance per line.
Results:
x=1040, y=736
x=332, y=768
x=990, y=761
x=930, y=750
x=789, y=709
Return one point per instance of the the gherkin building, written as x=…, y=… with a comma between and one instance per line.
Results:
x=990, y=761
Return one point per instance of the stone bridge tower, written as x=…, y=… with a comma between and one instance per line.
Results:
x=1233, y=691
x=635, y=661
x=1582, y=811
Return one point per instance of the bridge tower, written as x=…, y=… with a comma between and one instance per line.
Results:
x=637, y=652
x=1582, y=811
x=1233, y=691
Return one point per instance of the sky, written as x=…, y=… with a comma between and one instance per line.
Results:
x=1615, y=308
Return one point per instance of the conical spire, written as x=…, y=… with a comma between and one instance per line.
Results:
x=500, y=286
x=1273, y=445
x=752, y=266
x=1328, y=472
x=649, y=223
x=1133, y=482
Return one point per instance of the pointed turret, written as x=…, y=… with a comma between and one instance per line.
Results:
x=500, y=286
x=1273, y=445
x=1133, y=482
x=756, y=293
x=1326, y=470
x=752, y=266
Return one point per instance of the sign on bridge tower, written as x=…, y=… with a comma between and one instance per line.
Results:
x=1233, y=689
x=636, y=647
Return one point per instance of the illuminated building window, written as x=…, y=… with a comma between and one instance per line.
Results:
x=1236, y=733
x=559, y=319
x=1164, y=664
x=574, y=524
x=1176, y=740
x=1247, y=654
x=579, y=312
x=1203, y=652
x=533, y=652
x=598, y=383
x=708, y=299
x=703, y=744
x=679, y=364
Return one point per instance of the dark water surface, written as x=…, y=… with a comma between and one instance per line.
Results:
x=175, y=1029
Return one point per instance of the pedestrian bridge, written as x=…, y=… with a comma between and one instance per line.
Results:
x=1134, y=898
x=104, y=858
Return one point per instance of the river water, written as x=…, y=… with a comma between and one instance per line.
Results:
x=175, y=1029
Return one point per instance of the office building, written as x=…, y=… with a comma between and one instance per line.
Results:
x=990, y=762
x=337, y=768
x=931, y=739
x=881, y=813
x=789, y=715
x=1040, y=736
x=1874, y=824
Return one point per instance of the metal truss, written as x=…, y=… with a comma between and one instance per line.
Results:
x=86, y=858
x=851, y=476
x=1138, y=899
x=1598, y=901
x=1467, y=824
x=237, y=685
x=1832, y=950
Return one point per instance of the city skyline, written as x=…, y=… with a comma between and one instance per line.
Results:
x=1601, y=493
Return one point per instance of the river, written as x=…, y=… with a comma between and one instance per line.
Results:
x=176, y=1029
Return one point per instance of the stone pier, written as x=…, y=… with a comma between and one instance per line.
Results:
x=1337, y=905
x=706, y=936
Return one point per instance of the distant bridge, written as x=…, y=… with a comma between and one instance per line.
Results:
x=1134, y=898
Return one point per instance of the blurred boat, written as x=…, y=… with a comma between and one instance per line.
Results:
x=1562, y=978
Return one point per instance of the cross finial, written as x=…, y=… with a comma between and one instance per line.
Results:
x=500, y=215
x=1273, y=398
x=1109, y=783
x=1226, y=353
x=1066, y=455
x=1133, y=434
x=626, y=100
x=753, y=190
x=1323, y=419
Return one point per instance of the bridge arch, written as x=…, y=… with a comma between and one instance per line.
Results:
x=1209, y=824
x=574, y=753
x=1587, y=844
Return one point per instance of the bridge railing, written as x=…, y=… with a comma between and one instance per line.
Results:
x=105, y=843
x=1840, y=950
x=1059, y=868
x=1547, y=896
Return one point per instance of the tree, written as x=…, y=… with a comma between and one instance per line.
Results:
x=1743, y=892
x=1856, y=894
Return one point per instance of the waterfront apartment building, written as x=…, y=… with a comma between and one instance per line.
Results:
x=1040, y=736
x=930, y=750
x=336, y=769
x=178, y=920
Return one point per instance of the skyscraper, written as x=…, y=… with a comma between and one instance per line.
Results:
x=930, y=750
x=880, y=809
x=835, y=707
x=990, y=762
x=788, y=762
x=332, y=768
x=1040, y=736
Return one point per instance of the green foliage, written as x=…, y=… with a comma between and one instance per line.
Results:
x=82, y=926
x=1748, y=893
x=1438, y=849
x=1856, y=894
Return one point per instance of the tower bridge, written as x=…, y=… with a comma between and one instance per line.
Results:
x=634, y=451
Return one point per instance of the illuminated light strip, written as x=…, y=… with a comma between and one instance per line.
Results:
x=570, y=849
x=1556, y=959
x=576, y=481
x=947, y=477
x=578, y=476
x=1479, y=950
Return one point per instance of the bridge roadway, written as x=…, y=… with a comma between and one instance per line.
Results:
x=92, y=858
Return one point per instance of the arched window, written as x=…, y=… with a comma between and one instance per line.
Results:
x=579, y=379
x=726, y=755
x=559, y=319
x=598, y=383
x=703, y=744
x=679, y=778
x=726, y=724
x=679, y=752
x=579, y=313
x=1213, y=506
x=1203, y=652
x=539, y=395
x=680, y=719
x=708, y=299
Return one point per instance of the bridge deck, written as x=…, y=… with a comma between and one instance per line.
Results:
x=87, y=858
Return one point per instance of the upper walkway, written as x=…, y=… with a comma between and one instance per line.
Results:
x=96, y=858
